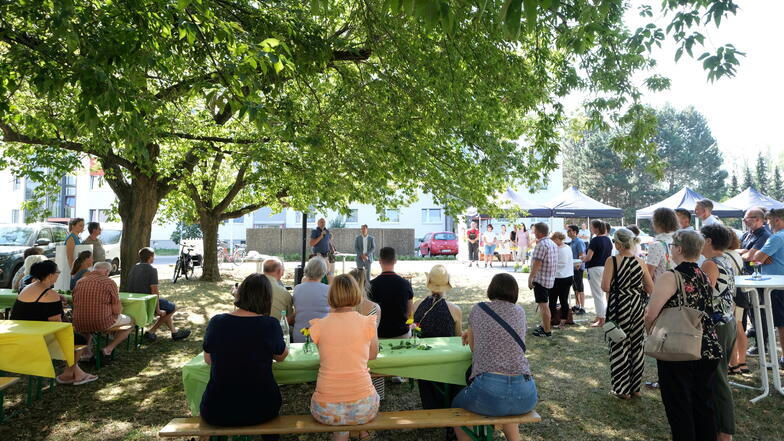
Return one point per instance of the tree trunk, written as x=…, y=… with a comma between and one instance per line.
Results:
x=209, y=230
x=137, y=208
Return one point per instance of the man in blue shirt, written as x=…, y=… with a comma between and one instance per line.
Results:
x=772, y=257
x=320, y=242
x=578, y=250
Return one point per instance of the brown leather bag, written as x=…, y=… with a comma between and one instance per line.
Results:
x=677, y=332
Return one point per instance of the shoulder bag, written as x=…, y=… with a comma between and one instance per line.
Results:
x=677, y=332
x=612, y=331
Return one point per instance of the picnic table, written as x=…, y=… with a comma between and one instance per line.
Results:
x=28, y=347
x=140, y=307
x=446, y=361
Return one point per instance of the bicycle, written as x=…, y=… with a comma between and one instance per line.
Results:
x=186, y=263
x=238, y=257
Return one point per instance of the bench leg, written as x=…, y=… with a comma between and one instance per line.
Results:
x=98, y=350
x=2, y=406
x=480, y=433
x=30, y=380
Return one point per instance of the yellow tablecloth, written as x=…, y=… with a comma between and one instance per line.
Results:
x=28, y=347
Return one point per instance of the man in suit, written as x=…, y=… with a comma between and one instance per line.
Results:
x=364, y=245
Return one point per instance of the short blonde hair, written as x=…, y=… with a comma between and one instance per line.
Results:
x=344, y=292
x=558, y=236
x=359, y=275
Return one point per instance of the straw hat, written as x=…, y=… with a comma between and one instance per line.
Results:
x=438, y=279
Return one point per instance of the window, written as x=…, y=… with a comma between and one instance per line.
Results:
x=44, y=234
x=312, y=216
x=14, y=216
x=431, y=215
x=111, y=237
x=393, y=216
x=97, y=215
x=239, y=220
x=445, y=236
x=17, y=183
x=353, y=217
x=59, y=234
x=95, y=182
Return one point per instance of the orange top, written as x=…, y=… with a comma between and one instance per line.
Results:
x=343, y=341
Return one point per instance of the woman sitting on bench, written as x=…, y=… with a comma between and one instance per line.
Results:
x=240, y=347
x=501, y=381
x=346, y=341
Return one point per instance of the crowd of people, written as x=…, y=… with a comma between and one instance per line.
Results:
x=347, y=315
x=94, y=305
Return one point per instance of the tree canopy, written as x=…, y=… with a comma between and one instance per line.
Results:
x=324, y=103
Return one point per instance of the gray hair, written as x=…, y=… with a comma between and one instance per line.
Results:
x=690, y=241
x=102, y=265
x=316, y=268
x=706, y=204
x=271, y=265
x=626, y=238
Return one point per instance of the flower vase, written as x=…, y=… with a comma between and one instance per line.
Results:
x=416, y=339
x=756, y=275
x=306, y=348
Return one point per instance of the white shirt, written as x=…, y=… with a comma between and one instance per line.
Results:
x=364, y=244
x=659, y=254
x=488, y=238
x=710, y=220
x=565, y=268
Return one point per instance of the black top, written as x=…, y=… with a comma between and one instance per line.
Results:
x=602, y=248
x=434, y=318
x=141, y=278
x=753, y=239
x=241, y=390
x=392, y=294
x=36, y=311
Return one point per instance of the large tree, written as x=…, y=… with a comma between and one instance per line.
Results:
x=761, y=172
x=345, y=101
x=776, y=190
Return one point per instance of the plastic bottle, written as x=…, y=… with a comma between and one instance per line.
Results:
x=284, y=326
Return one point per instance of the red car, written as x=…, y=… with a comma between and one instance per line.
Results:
x=443, y=243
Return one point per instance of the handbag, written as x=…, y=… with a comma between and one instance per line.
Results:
x=677, y=332
x=612, y=331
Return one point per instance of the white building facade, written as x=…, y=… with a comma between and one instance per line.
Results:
x=88, y=196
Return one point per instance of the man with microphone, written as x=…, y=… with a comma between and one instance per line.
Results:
x=320, y=243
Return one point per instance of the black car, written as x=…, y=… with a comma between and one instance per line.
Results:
x=16, y=238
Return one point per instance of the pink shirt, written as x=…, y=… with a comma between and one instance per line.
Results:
x=343, y=341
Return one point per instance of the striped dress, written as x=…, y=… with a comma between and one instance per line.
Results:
x=626, y=307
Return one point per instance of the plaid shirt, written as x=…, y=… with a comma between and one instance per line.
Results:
x=547, y=252
x=93, y=299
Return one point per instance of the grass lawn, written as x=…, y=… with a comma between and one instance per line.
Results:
x=142, y=390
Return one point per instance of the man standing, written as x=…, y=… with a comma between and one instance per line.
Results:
x=755, y=236
x=544, y=261
x=364, y=246
x=321, y=241
x=394, y=296
x=94, y=228
x=281, y=299
x=578, y=251
x=473, y=244
x=584, y=234
x=703, y=210
x=96, y=306
x=772, y=257
x=143, y=279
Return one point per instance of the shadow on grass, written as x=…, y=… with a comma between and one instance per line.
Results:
x=142, y=390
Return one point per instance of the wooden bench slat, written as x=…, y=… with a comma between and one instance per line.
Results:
x=295, y=424
x=6, y=382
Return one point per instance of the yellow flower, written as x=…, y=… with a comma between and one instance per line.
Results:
x=418, y=329
x=305, y=331
x=409, y=321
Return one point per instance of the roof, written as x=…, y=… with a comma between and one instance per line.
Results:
x=573, y=203
x=511, y=199
x=750, y=198
x=687, y=198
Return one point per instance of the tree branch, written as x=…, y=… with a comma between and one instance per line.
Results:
x=236, y=187
x=251, y=207
x=218, y=139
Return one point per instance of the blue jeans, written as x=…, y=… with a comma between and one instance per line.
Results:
x=498, y=395
x=489, y=250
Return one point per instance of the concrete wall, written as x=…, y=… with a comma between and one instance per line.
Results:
x=289, y=240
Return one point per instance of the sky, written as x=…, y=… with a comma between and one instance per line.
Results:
x=744, y=113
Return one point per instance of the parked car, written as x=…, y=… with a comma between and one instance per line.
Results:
x=15, y=238
x=443, y=243
x=111, y=236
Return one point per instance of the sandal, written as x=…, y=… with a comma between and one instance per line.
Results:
x=88, y=378
x=620, y=396
x=59, y=381
x=734, y=370
x=744, y=368
x=367, y=436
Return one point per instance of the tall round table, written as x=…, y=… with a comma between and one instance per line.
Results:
x=767, y=356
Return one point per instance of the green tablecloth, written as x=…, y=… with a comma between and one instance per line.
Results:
x=446, y=362
x=140, y=307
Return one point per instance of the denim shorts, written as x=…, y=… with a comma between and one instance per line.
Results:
x=347, y=412
x=166, y=306
x=498, y=395
x=489, y=250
